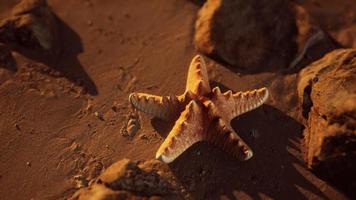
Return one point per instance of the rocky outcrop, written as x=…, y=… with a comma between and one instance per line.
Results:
x=31, y=24
x=251, y=34
x=131, y=180
x=327, y=92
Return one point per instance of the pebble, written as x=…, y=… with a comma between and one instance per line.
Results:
x=89, y=106
x=98, y=115
x=28, y=164
x=17, y=126
x=81, y=181
x=144, y=137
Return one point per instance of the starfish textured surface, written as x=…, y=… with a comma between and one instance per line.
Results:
x=203, y=114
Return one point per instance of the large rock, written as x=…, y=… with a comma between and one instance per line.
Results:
x=131, y=180
x=31, y=24
x=247, y=34
x=327, y=92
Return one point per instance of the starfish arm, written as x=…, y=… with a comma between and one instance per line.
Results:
x=231, y=105
x=165, y=107
x=224, y=136
x=197, y=80
x=187, y=130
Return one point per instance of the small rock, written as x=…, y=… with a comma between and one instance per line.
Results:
x=143, y=137
x=98, y=115
x=89, y=107
x=31, y=23
x=28, y=164
x=17, y=126
x=81, y=181
x=148, y=178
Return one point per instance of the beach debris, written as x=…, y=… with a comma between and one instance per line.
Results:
x=132, y=125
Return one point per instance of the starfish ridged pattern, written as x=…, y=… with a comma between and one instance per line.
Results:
x=203, y=114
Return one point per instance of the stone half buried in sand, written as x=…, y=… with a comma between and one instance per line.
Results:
x=126, y=179
x=30, y=24
x=251, y=34
x=327, y=92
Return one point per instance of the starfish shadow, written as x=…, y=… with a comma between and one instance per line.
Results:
x=275, y=171
x=64, y=56
x=162, y=127
x=222, y=87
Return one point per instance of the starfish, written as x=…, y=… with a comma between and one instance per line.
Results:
x=202, y=114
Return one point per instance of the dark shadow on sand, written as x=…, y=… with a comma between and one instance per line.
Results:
x=64, y=56
x=7, y=61
x=207, y=172
x=198, y=2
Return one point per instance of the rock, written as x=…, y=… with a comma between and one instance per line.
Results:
x=327, y=94
x=347, y=36
x=315, y=47
x=312, y=41
x=31, y=24
x=81, y=181
x=126, y=180
x=255, y=34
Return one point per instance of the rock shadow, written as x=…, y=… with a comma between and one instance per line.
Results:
x=7, y=61
x=63, y=57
